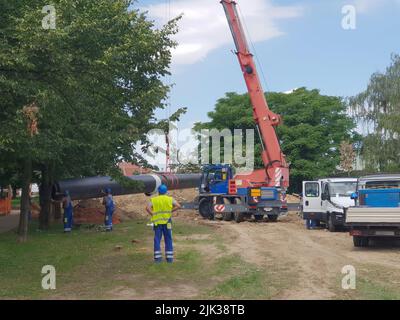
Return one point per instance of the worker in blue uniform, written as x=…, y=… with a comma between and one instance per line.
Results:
x=108, y=202
x=160, y=208
x=68, y=212
x=311, y=224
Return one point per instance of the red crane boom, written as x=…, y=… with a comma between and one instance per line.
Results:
x=276, y=169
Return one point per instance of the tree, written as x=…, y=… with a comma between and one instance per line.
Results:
x=378, y=111
x=96, y=80
x=347, y=157
x=313, y=127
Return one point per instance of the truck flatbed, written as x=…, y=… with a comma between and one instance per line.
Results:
x=372, y=215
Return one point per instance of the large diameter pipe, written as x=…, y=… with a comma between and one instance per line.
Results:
x=88, y=188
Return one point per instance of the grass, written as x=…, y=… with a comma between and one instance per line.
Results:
x=16, y=203
x=243, y=281
x=373, y=290
x=91, y=264
x=74, y=256
x=246, y=281
x=372, y=283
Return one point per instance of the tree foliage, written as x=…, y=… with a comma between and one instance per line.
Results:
x=313, y=127
x=347, y=157
x=378, y=111
x=96, y=80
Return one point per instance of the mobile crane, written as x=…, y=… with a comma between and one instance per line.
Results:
x=262, y=191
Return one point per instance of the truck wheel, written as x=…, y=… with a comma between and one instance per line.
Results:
x=331, y=227
x=258, y=218
x=205, y=209
x=238, y=216
x=360, y=241
x=272, y=217
x=227, y=216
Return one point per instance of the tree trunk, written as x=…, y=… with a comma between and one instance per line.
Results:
x=57, y=210
x=25, y=201
x=14, y=192
x=45, y=198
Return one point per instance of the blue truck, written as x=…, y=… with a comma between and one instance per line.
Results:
x=376, y=213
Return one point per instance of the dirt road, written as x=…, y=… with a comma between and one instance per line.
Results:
x=312, y=259
x=9, y=222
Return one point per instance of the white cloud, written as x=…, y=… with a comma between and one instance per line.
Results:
x=367, y=6
x=204, y=27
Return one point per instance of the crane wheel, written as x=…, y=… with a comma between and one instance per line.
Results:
x=272, y=218
x=227, y=216
x=205, y=209
x=237, y=215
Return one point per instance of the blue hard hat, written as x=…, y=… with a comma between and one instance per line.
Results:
x=108, y=190
x=66, y=193
x=162, y=189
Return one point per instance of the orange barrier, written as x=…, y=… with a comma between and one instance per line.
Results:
x=5, y=202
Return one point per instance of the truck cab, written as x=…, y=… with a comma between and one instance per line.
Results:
x=324, y=200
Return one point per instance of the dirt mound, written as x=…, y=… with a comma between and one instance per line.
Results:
x=134, y=205
x=293, y=198
x=90, y=203
x=92, y=212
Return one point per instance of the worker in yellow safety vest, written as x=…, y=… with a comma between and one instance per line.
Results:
x=160, y=208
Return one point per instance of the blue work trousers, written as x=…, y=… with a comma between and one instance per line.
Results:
x=311, y=223
x=68, y=219
x=159, y=231
x=108, y=219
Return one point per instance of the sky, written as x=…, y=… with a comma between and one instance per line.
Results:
x=299, y=43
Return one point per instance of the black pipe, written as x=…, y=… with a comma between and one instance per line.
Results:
x=88, y=188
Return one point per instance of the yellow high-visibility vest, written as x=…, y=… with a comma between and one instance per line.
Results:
x=162, y=209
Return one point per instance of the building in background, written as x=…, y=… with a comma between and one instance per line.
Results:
x=130, y=169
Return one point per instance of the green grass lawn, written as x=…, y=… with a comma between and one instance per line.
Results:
x=16, y=203
x=375, y=283
x=96, y=265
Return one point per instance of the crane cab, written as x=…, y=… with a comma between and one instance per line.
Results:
x=215, y=178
